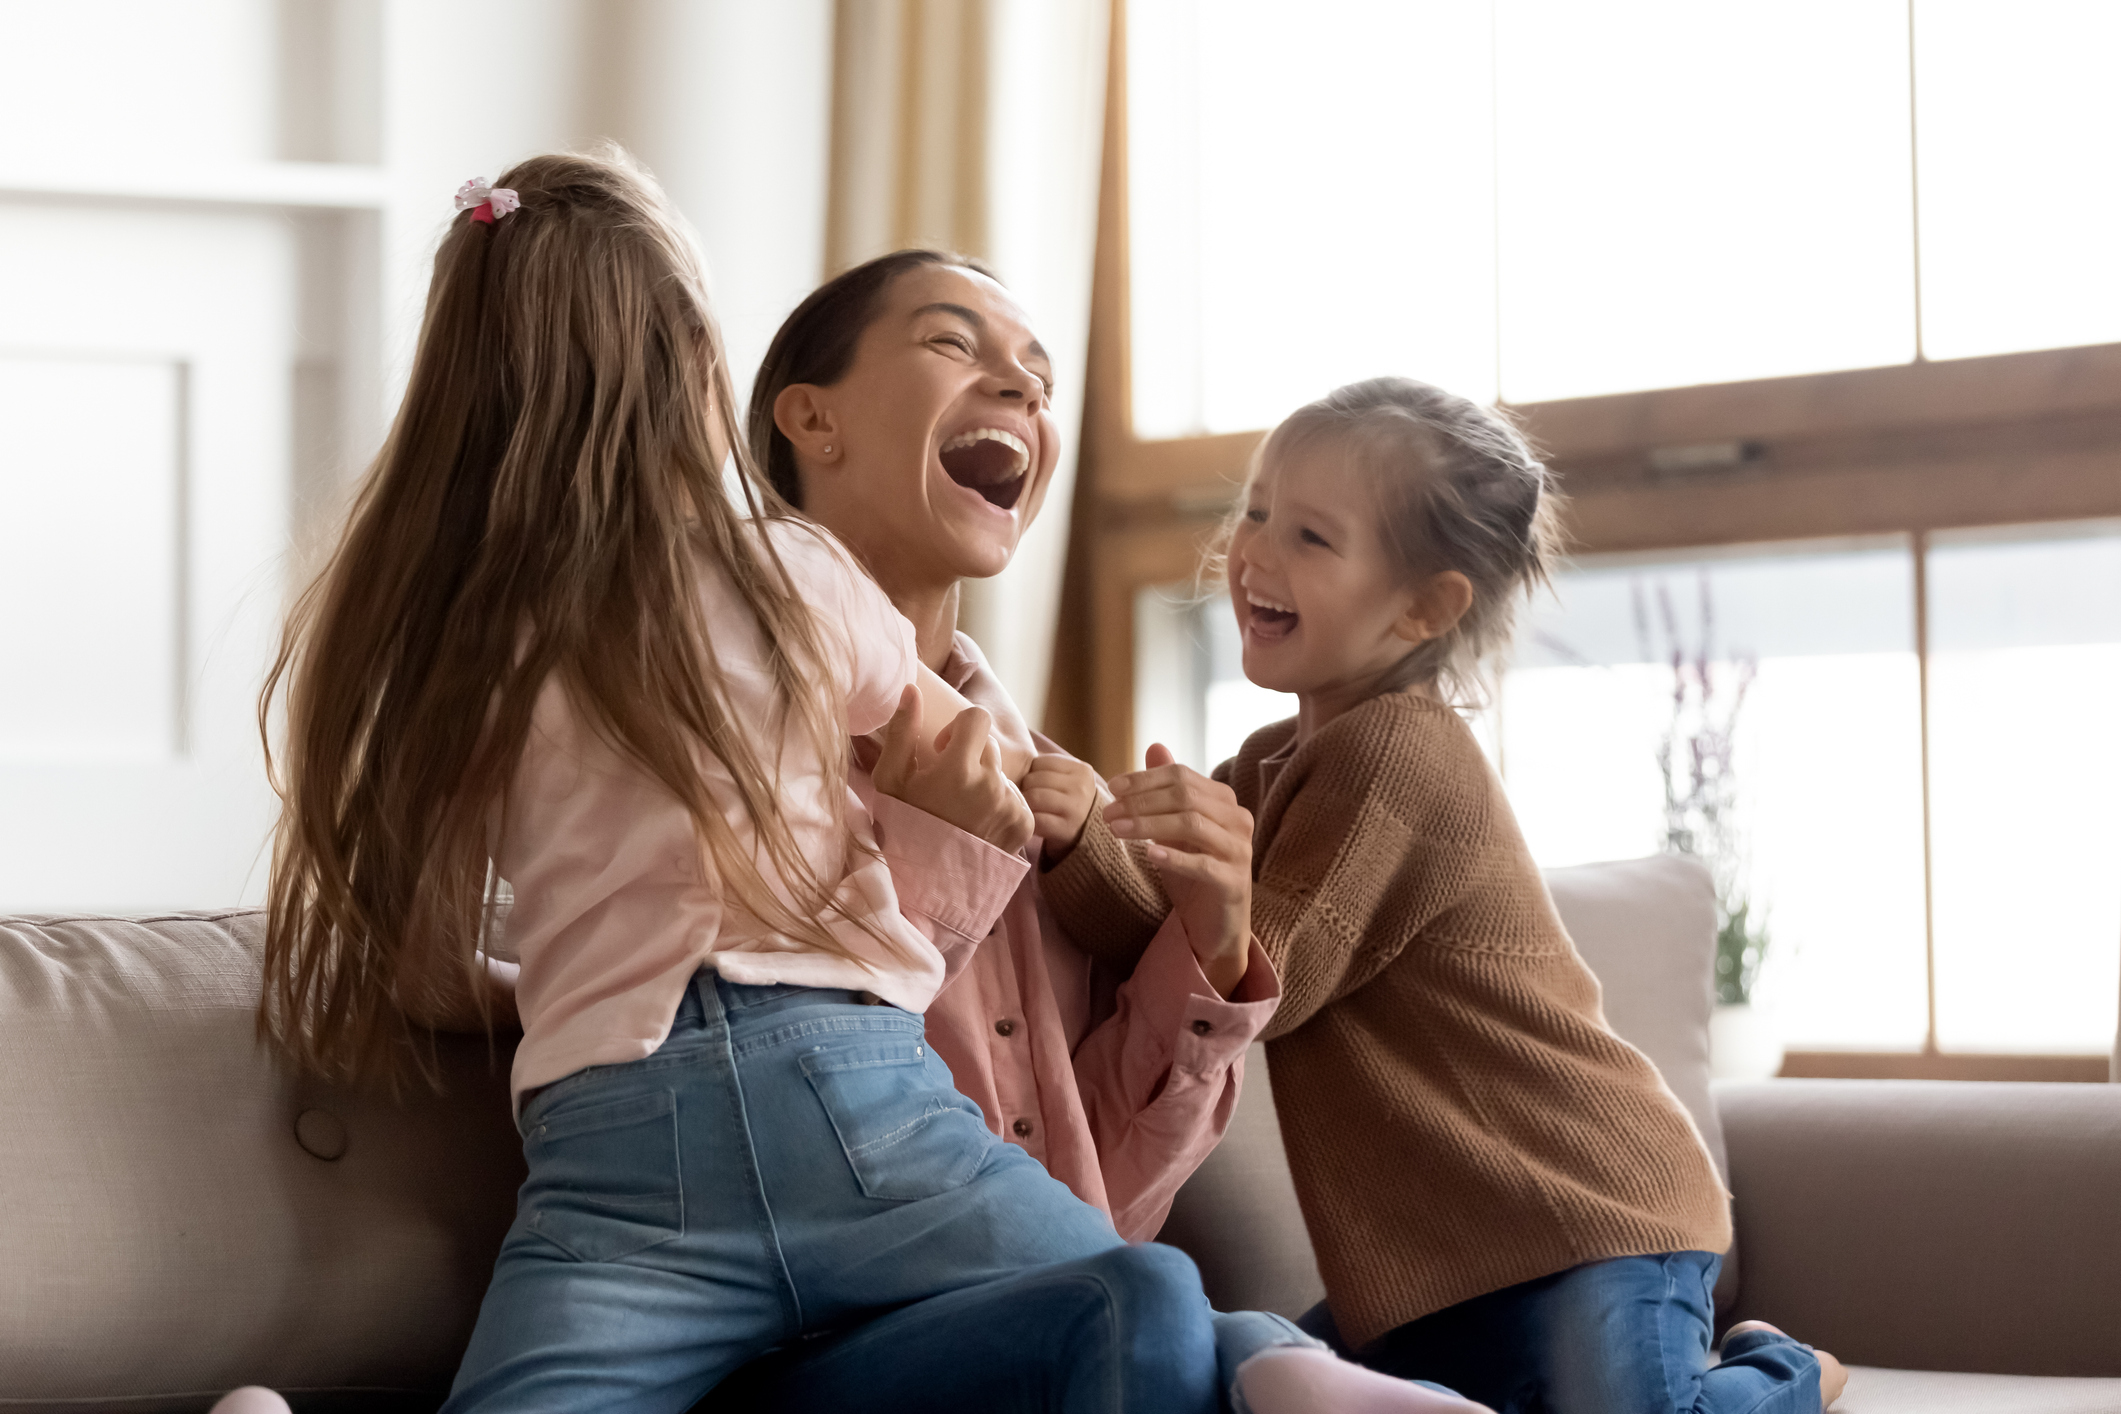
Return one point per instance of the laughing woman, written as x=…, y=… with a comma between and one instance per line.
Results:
x=905, y=406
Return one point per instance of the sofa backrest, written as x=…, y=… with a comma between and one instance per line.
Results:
x=1934, y=1225
x=185, y=1214
x=191, y=1215
x=1646, y=928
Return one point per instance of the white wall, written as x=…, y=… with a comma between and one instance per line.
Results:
x=229, y=207
x=728, y=101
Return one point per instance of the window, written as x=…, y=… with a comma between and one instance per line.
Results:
x=2025, y=770
x=1813, y=662
x=1541, y=199
x=1809, y=655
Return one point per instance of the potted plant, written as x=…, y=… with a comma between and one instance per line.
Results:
x=1701, y=819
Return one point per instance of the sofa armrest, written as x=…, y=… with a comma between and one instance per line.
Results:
x=1932, y=1225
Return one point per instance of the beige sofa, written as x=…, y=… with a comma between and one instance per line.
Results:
x=183, y=1215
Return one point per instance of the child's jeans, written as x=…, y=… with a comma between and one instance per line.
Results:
x=1625, y=1336
x=1063, y=1338
x=790, y=1162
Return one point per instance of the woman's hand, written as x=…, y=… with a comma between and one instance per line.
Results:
x=1061, y=792
x=1200, y=840
x=959, y=779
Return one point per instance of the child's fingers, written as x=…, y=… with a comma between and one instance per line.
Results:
x=1218, y=806
x=1150, y=778
x=966, y=739
x=1207, y=798
x=1053, y=800
x=895, y=762
x=1177, y=864
x=1185, y=831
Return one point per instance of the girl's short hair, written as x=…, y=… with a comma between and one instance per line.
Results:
x=1458, y=488
x=815, y=344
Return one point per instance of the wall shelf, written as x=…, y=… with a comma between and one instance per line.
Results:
x=314, y=185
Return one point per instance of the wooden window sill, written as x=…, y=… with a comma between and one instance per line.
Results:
x=1908, y=1065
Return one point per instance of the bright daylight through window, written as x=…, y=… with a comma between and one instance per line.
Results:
x=1543, y=199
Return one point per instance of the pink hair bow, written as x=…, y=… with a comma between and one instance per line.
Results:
x=485, y=201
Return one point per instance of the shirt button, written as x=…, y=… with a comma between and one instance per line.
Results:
x=1005, y=1027
x=1022, y=1128
x=1203, y=1028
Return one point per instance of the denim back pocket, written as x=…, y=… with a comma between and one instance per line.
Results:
x=907, y=1132
x=604, y=1180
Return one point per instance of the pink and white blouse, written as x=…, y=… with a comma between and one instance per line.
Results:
x=616, y=906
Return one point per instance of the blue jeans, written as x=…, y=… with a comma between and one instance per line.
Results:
x=791, y=1163
x=1060, y=1338
x=1625, y=1336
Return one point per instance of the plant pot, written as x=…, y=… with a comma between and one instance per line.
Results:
x=1744, y=1043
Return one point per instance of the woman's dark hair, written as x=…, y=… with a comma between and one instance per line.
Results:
x=815, y=345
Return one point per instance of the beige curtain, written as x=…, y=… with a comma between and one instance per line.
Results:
x=977, y=125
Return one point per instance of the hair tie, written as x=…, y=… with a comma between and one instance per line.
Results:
x=485, y=201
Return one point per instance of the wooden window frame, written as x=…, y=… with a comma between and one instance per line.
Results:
x=1908, y=449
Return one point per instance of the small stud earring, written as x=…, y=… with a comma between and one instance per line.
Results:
x=828, y=449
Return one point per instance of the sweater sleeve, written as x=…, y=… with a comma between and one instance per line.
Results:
x=1357, y=867
x=1106, y=897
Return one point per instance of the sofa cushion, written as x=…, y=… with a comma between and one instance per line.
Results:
x=1875, y=1391
x=186, y=1215
x=1647, y=929
x=1933, y=1225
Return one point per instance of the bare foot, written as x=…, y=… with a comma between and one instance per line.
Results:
x=251, y=1399
x=1833, y=1378
x=1833, y=1375
x=1288, y=1379
x=1748, y=1327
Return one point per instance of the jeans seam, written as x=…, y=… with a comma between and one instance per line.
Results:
x=1112, y=1339
x=740, y=1112
x=1664, y=1363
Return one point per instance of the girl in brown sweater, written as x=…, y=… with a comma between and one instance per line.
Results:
x=1504, y=1196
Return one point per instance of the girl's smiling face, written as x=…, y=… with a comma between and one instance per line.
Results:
x=1324, y=609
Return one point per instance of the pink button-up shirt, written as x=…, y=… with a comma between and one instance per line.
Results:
x=1121, y=1092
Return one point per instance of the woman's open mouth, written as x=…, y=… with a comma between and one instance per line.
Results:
x=1269, y=621
x=989, y=461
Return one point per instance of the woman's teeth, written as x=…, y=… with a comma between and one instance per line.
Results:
x=989, y=461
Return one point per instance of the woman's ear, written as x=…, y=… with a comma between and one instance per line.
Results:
x=806, y=419
x=1439, y=602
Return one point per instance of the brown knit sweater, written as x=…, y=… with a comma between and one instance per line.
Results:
x=1459, y=1117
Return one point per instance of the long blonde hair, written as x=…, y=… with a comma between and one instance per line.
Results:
x=534, y=514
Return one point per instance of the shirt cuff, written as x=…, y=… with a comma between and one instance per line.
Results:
x=954, y=879
x=1172, y=995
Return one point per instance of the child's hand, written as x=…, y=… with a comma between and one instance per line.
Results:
x=959, y=779
x=1200, y=840
x=1061, y=792
x=942, y=704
